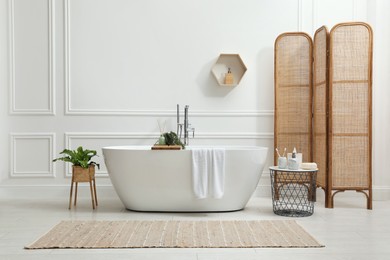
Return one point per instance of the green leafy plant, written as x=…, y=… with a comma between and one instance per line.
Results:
x=79, y=157
x=171, y=138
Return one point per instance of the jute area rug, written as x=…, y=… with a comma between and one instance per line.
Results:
x=175, y=234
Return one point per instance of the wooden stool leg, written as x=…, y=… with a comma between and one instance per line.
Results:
x=94, y=189
x=92, y=196
x=75, y=195
x=71, y=193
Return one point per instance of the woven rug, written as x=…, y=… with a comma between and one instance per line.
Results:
x=175, y=234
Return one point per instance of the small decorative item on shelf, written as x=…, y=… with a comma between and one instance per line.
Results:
x=236, y=71
x=229, y=79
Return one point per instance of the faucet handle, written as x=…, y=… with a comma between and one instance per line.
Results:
x=191, y=129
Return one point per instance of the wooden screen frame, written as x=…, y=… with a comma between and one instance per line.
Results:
x=330, y=190
x=309, y=156
x=317, y=152
x=366, y=190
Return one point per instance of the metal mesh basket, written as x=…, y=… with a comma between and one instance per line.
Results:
x=293, y=192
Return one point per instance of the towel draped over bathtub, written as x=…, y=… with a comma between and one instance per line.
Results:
x=208, y=172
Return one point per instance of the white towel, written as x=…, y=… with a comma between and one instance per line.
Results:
x=208, y=172
x=308, y=166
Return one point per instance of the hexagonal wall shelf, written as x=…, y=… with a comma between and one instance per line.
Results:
x=221, y=67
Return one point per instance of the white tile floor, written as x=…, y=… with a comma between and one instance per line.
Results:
x=349, y=231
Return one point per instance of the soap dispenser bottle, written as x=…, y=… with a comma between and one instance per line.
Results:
x=292, y=162
x=229, y=77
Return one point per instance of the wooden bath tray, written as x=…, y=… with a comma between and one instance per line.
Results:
x=166, y=147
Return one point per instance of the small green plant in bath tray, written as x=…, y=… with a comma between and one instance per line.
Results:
x=79, y=157
x=171, y=138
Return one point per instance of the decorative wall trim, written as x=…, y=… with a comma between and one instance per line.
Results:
x=300, y=16
x=12, y=106
x=235, y=135
x=152, y=136
x=314, y=16
x=13, y=160
x=91, y=135
x=67, y=56
x=52, y=88
x=315, y=11
x=135, y=112
x=148, y=135
x=354, y=10
x=197, y=113
x=359, y=10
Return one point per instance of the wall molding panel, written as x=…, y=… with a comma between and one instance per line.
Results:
x=300, y=16
x=32, y=154
x=73, y=140
x=72, y=108
x=172, y=113
x=147, y=135
x=312, y=13
x=67, y=56
x=13, y=104
x=354, y=10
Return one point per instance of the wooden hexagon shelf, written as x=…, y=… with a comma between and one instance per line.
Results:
x=221, y=67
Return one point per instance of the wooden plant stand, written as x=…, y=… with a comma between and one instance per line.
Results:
x=80, y=174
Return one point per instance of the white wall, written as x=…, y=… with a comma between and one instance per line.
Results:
x=379, y=17
x=101, y=72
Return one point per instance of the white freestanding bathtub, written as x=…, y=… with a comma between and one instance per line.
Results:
x=161, y=180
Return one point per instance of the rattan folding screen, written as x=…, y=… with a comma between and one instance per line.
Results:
x=293, y=91
x=320, y=110
x=336, y=99
x=350, y=109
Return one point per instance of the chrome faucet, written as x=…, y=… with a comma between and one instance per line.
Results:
x=186, y=125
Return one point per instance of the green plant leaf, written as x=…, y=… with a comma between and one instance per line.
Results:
x=171, y=138
x=78, y=157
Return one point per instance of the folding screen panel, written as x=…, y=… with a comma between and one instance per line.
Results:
x=340, y=93
x=320, y=104
x=293, y=92
x=350, y=112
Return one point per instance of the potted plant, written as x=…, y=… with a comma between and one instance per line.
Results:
x=80, y=160
x=83, y=169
